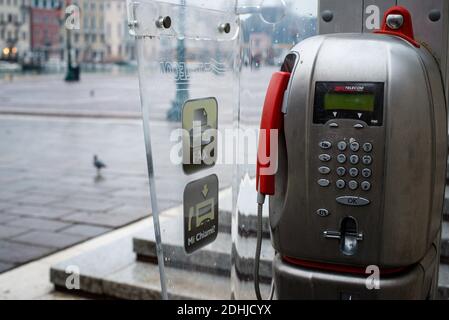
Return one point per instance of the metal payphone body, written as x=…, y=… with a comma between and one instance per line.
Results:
x=362, y=182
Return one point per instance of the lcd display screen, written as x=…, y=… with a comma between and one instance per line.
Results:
x=354, y=102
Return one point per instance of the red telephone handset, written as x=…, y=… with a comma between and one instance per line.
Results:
x=272, y=119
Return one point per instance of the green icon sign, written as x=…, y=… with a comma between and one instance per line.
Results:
x=199, y=121
x=200, y=213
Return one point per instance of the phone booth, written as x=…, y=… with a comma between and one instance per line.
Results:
x=204, y=72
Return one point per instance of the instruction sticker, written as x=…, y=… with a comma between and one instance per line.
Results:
x=199, y=122
x=200, y=213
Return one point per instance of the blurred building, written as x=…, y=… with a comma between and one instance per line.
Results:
x=45, y=28
x=103, y=35
x=14, y=29
x=120, y=45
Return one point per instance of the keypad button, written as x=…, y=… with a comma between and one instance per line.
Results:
x=353, y=172
x=323, y=182
x=353, y=185
x=341, y=171
x=366, y=173
x=354, y=159
x=324, y=157
x=352, y=201
x=325, y=145
x=342, y=145
x=367, y=160
x=340, y=184
x=354, y=146
x=367, y=147
x=341, y=158
x=322, y=212
x=365, y=185
x=324, y=170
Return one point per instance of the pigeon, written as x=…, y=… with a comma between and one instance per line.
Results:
x=98, y=164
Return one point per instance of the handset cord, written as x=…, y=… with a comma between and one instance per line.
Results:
x=260, y=202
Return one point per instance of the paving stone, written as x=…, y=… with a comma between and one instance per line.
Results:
x=85, y=230
x=10, y=231
x=43, y=199
x=49, y=239
x=102, y=219
x=86, y=204
x=38, y=224
x=4, y=217
x=5, y=266
x=13, y=252
x=38, y=211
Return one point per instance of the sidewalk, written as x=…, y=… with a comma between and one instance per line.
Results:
x=50, y=196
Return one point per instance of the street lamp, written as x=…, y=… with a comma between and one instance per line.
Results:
x=182, y=85
x=72, y=73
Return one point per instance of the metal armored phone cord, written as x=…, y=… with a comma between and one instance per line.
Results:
x=260, y=202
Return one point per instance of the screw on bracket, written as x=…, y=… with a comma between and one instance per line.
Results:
x=163, y=22
x=224, y=27
x=132, y=24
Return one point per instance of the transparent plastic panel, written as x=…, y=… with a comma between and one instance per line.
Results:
x=188, y=72
x=269, y=29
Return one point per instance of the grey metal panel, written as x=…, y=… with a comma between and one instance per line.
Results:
x=294, y=282
x=346, y=18
x=430, y=33
x=408, y=176
x=374, y=16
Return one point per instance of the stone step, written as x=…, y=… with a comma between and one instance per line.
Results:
x=219, y=251
x=112, y=272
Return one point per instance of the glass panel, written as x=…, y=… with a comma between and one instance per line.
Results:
x=188, y=57
x=269, y=28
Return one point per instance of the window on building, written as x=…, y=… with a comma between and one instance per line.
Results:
x=24, y=35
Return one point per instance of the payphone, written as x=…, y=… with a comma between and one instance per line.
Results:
x=361, y=162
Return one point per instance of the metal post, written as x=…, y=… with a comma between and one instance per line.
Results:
x=182, y=85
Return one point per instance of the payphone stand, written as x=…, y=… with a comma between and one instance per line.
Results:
x=355, y=118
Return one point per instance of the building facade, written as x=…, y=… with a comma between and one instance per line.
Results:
x=14, y=29
x=46, y=18
x=36, y=28
x=120, y=45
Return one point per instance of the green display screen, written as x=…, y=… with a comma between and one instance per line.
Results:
x=353, y=102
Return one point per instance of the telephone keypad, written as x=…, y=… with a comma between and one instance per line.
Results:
x=367, y=147
x=353, y=185
x=324, y=170
x=340, y=184
x=324, y=157
x=341, y=171
x=354, y=159
x=354, y=146
x=341, y=158
x=342, y=145
x=344, y=154
x=366, y=173
x=353, y=172
x=325, y=145
x=365, y=185
x=323, y=182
